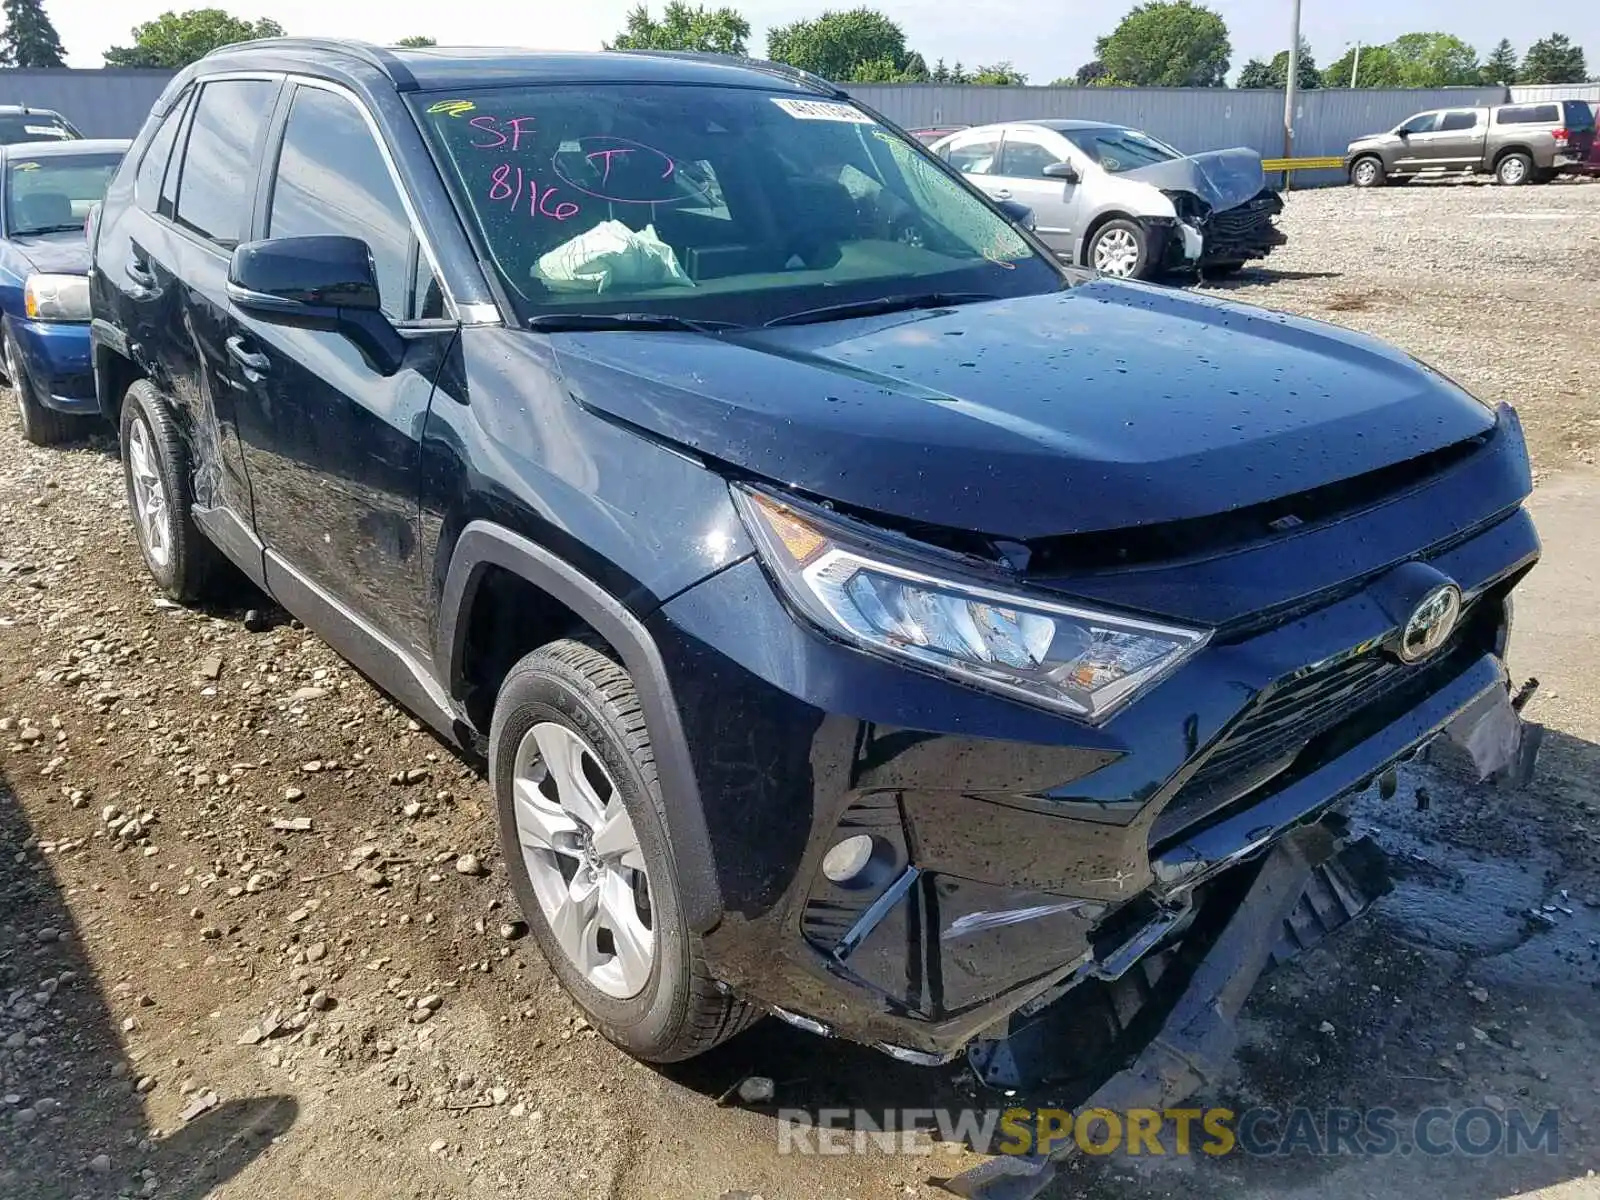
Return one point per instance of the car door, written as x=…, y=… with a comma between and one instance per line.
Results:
x=1411, y=154
x=331, y=440
x=976, y=154
x=1456, y=142
x=176, y=263
x=1024, y=156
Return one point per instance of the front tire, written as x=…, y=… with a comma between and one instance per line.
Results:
x=1513, y=170
x=155, y=468
x=1368, y=172
x=1120, y=250
x=587, y=852
x=40, y=425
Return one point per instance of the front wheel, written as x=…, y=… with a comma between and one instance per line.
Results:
x=1367, y=173
x=40, y=425
x=587, y=852
x=1120, y=250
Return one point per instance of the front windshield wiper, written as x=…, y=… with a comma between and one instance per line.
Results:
x=599, y=322
x=74, y=228
x=882, y=304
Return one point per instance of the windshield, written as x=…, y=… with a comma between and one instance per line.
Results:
x=1118, y=150
x=53, y=193
x=34, y=127
x=713, y=203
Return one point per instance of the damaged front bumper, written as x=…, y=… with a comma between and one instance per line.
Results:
x=1235, y=235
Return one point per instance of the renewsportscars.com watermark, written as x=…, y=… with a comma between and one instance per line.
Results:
x=1211, y=1132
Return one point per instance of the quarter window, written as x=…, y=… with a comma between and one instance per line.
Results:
x=218, y=179
x=153, y=166
x=332, y=180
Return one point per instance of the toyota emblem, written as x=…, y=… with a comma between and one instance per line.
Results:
x=1431, y=623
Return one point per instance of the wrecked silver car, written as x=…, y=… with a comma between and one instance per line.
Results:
x=1120, y=201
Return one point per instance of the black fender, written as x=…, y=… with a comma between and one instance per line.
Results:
x=482, y=545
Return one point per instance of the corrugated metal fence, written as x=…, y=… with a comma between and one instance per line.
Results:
x=113, y=103
x=1192, y=119
x=1534, y=92
x=101, y=103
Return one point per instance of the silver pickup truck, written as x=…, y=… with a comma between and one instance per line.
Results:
x=1516, y=143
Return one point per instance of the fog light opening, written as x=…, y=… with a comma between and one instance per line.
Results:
x=846, y=862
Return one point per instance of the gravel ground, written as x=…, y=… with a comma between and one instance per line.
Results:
x=256, y=940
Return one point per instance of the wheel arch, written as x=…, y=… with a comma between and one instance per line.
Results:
x=115, y=370
x=1505, y=152
x=484, y=548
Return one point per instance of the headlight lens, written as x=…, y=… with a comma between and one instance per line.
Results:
x=1071, y=659
x=56, y=297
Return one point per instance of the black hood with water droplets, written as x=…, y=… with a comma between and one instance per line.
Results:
x=1102, y=407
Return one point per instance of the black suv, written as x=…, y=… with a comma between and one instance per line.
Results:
x=865, y=619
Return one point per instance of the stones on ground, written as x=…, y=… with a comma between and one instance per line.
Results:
x=468, y=864
x=292, y=824
x=1325, y=1027
x=311, y=766
x=299, y=695
x=210, y=667
x=425, y=1008
x=100, y=1164
x=411, y=809
x=498, y=1095
x=321, y=1001
x=203, y=1100
x=1481, y=995
x=757, y=1089
x=316, y=952
x=372, y=877
x=512, y=930
x=409, y=776
x=293, y=794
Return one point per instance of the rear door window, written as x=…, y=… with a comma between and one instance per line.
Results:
x=217, y=184
x=1458, y=120
x=976, y=157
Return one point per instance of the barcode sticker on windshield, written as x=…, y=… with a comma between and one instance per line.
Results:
x=822, y=110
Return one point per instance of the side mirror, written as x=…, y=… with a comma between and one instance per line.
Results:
x=1402, y=134
x=1064, y=171
x=325, y=283
x=1018, y=214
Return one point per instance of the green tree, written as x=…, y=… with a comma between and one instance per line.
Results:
x=1501, y=65
x=1000, y=74
x=1167, y=43
x=1430, y=60
x=836, y=44
x=1378, y=69
x=1553, y=60
x=29, y=39
x=1255, y=74
x=708, y=31
x=175, y=40
x=1087, y=74
x=416, y=41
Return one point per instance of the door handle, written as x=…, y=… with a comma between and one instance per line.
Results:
x=255, y=365
x=138, y=271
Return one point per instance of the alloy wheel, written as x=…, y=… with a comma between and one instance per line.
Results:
x=1116, y=253
x=1513, y=171
x=149, y=494
x=1366, y=173
x=583, y=859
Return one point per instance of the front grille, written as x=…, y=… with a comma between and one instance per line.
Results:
x=1288, y=717
x=1239, y=224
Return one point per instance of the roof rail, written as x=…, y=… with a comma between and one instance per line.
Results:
x=373, y=56
x=783, y=70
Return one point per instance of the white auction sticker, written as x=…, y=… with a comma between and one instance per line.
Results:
x=823, y=110
x=52, y=131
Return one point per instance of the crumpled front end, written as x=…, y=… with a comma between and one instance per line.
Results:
x=1239, y=234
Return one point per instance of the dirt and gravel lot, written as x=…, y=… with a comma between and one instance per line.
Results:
x=255, y=937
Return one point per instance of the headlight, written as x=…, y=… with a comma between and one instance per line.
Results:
x=1075, y=660
x=56, y=297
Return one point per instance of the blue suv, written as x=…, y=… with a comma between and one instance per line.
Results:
x=864, y=618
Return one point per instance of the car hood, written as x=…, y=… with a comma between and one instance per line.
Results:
x=1104, y=406
x=1222, y=178
x=55, y=253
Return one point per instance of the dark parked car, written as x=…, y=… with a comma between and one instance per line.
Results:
x=865, y=618
x=48, y=191
x=20, y=123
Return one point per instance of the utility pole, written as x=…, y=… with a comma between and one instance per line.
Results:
x=1290, y=82
x=1355, y=67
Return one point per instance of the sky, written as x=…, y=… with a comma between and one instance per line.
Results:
x=1046, y=39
